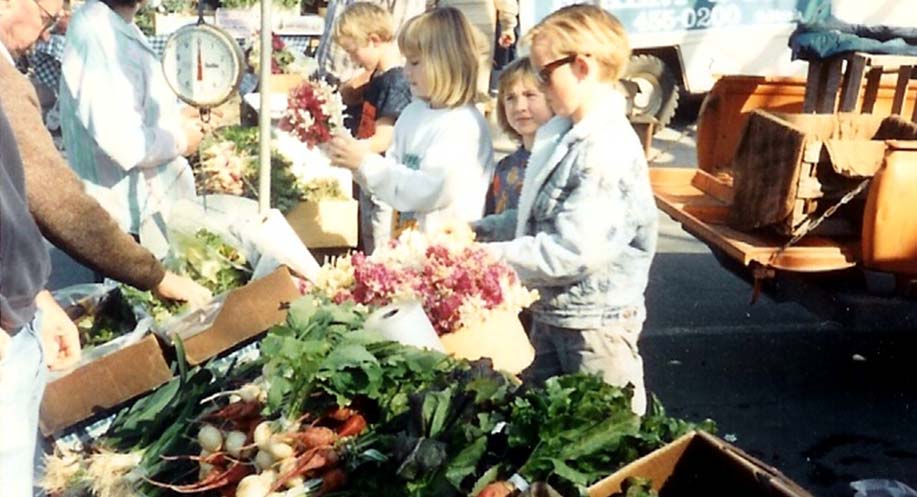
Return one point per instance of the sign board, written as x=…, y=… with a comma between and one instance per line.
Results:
x=673, y=16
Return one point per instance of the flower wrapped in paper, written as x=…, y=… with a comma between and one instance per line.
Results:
x=471, y=299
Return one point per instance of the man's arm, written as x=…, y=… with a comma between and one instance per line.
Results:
x=69, y=217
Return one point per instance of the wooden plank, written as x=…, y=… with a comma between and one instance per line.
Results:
x=853, y=78
x=704, y=216
x=873, y=77
x=827, y=102
x=814, y=86
x=904, y=77
x=709, y=184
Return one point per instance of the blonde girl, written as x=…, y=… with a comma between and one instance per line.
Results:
x=521, y=109
x=441, y=159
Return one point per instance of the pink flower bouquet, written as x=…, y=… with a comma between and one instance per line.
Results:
x=457, y=281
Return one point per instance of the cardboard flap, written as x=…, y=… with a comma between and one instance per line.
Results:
x=856, y=158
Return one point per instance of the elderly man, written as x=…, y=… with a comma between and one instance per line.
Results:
x=68, y=217
x=24, y=270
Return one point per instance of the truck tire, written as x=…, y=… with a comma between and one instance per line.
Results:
x=656, y=90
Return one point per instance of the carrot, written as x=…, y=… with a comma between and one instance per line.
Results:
x=319, y=457
x=316, y=436
x=353, y=426
x=237, y=411
x=496, y=489
x=341, y=414
x=213, y=480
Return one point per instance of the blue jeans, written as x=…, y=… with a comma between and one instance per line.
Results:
x=23, y=375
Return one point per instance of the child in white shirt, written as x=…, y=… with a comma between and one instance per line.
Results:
x=440, y=163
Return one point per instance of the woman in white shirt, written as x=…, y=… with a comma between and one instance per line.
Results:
x=123, y=129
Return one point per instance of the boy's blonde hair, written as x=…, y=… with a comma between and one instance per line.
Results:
x=445, y=41
x=518, y=71
x=584, y=30
x=360, y=20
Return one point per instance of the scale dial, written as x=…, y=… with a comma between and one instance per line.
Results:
x=203, y=65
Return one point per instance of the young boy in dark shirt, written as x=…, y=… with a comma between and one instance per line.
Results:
x=365, y=31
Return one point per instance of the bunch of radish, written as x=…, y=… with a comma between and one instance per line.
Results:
x=243, y=455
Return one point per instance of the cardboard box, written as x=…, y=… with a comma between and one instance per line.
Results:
x=246, y=313
x=700, y=464
x=103, y=384
x=327, y=223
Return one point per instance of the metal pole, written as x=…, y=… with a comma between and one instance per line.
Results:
x=264, y=115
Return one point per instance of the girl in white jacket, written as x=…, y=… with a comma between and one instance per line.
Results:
x=440, y=162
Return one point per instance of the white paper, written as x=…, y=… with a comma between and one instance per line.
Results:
x=406, y=323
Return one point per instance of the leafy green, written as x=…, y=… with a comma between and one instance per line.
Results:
x=110, y=318
x=634, y=486
x=582, y=429
x=203, y=257
x=322, y=189
x=284, y=193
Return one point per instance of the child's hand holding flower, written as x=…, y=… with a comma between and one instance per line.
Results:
x=345, y=151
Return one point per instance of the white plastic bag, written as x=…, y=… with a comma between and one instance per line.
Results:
x=882, y=488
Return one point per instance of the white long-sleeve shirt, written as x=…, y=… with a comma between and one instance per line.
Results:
x=121, y=122
x=438, y=167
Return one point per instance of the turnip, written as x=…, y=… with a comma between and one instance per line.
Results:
x=252, y=486
x=263, y=459
x=263, y=433
x=210, y=438
x=280, y=450
x=296, y=481
x=250, y=392
x=235, y=441
x=287, y=465
x=269, y=476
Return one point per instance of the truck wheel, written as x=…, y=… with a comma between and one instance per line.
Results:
x=655, y=93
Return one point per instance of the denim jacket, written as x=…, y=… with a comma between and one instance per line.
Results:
x=585, y=231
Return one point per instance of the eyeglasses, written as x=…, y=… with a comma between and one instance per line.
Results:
x=544, y=75
x=51, y=18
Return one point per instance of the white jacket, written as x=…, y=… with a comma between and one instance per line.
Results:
x=438, y=167
x=121, y=122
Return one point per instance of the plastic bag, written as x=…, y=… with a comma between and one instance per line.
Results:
x=81, y=300
x=265, y=242
x=882, y=488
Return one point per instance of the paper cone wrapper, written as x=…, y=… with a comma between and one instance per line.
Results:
x=500, y=337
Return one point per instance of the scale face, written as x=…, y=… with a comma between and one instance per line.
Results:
x=203, y=64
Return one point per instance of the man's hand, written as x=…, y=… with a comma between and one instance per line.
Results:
x=58, y=334
x=175, y=287
x=344, y=151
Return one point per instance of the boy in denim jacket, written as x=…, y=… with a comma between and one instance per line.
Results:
x=585, y=230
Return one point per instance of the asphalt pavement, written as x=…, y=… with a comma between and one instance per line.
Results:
x=823, y=403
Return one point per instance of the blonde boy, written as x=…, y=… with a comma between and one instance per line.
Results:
x=586, y=226
x=366, y=32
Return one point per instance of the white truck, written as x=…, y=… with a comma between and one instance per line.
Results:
x=686, y=44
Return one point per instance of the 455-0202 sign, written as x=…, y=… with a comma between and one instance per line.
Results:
x=661, y=16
